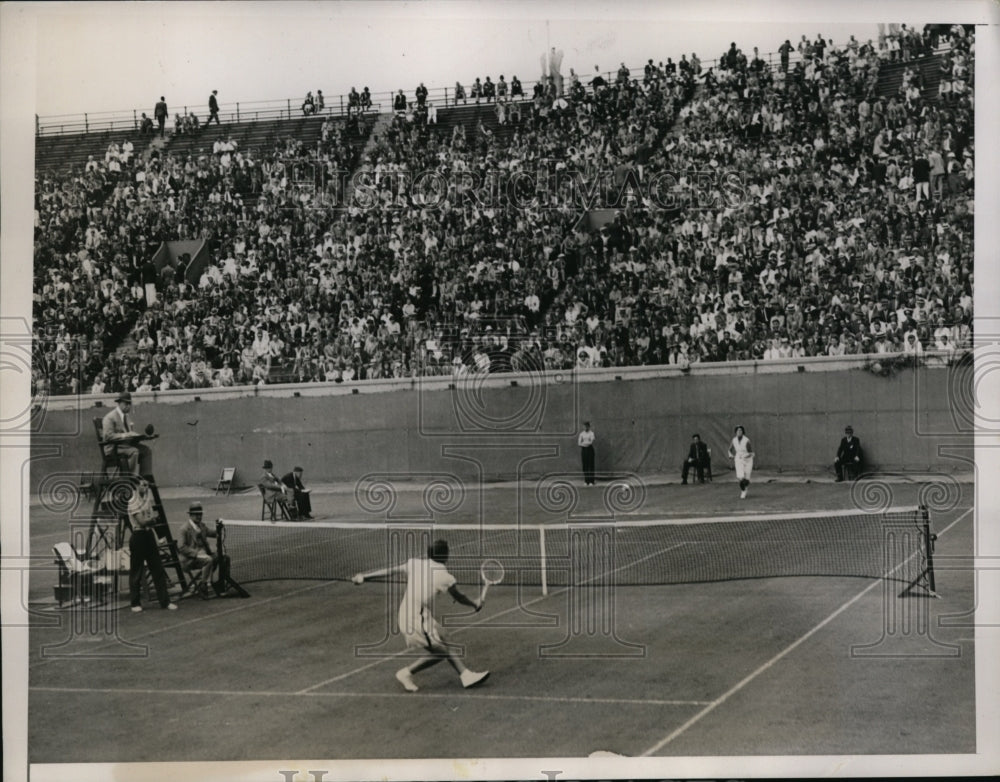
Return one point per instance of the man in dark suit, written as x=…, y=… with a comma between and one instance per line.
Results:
x=697, y=458
x=160, y=113
x=849, y=456
x=293, y=481
x=213, y=109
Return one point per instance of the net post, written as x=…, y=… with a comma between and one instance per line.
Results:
x=929, y=548
x=541, y=549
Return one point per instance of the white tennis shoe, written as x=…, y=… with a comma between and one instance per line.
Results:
x=404, y=677
x=472, y=678
x=743, y=494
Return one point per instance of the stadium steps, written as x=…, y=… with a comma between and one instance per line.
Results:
x=56, y=154
x=469, y=116
x=890, y=77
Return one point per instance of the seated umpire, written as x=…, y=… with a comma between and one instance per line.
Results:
x=849, y=456
x=293, y=480
x=698, y=458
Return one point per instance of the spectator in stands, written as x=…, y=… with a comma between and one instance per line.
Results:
x=320, y=101
x=399, y=101
x=366, y=99
x=516, y=90
x=824, y=257
x=849, y=456
x=421, y=94
x=460, y=93
x=160, y=113
x=145, y=125
x=697, y=458
x=309, y=104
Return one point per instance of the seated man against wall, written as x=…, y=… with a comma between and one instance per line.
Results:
x=698, y=458
x=274, y=490
x=293, y=480
x=849, y=456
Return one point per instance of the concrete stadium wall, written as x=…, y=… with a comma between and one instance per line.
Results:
x=906, y=422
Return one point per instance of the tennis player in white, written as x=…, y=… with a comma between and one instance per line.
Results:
x=741, y=452
x=425, y=579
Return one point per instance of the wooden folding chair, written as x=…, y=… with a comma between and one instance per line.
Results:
x=226, y=481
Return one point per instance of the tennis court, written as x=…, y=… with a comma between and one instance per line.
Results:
x=806, y=665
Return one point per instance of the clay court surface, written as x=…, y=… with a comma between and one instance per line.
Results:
x=775, y=666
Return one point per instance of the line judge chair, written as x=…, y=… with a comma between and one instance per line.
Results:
x=273, y=509
x=79, y=579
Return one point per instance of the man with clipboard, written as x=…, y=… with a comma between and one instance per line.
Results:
x=117, y=431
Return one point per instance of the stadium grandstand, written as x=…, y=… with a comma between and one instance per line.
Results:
x=670, y=214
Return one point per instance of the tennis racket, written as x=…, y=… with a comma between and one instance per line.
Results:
x=492, y=573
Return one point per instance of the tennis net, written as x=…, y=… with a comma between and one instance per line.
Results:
x=895, y=544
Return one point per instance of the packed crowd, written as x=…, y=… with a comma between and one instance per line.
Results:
x=461, y=249
x=98, y=300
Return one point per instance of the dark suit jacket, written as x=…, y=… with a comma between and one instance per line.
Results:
x=849, y=449
x=698, y=453
x=292, y=481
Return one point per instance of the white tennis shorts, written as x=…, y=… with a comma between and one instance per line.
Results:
x=744, y=466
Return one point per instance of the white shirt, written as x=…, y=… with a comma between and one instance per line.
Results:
x=425, y=579
x=586, y=438
x=740, y=448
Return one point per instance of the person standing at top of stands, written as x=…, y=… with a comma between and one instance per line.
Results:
x=784, y=50
x=586, y=442
x=117, y=432
x=741, y=452
x=421, y=94
x=160, y=113
x=213, y=109
x=848, y=455
x=399, y=101
x=293, y=480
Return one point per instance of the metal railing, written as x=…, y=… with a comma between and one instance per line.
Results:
x=129, y=120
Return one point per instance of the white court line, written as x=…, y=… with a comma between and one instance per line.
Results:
x=459, y=628
x=279, y=694
x=788, y=649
